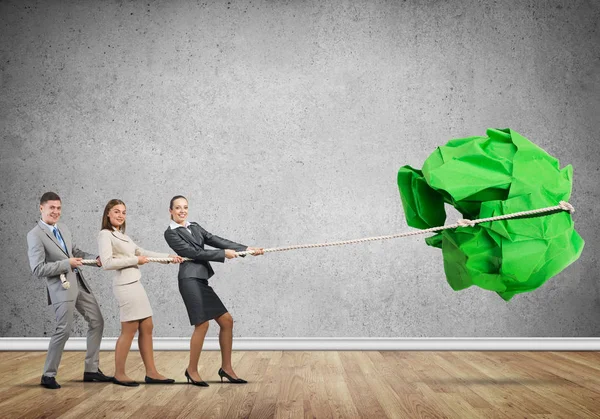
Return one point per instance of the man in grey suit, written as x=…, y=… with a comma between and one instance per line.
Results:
x=51, y=253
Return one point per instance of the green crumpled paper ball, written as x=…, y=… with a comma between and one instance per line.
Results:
x=485, y=177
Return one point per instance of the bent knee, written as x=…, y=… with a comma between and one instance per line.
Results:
x=62, y=333
x=146, y=327
x=128, y=334
x=129, y=330
x=226, y=321
x=201, y=326
x=97, y=324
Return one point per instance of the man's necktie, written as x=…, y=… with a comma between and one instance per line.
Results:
x=60, y=239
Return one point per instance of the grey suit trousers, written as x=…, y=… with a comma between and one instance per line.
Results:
x=86, y=305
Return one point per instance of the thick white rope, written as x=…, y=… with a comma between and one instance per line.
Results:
x=159, y=260
x=563, y=206
x=66, y=284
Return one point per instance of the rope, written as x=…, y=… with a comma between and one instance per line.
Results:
x=159, y=260
x=66, y=284
x=563, y=206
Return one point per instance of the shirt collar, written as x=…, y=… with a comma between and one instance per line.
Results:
x=51, y=228
x=173, y=225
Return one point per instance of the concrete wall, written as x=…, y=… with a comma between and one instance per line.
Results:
x=285, y=123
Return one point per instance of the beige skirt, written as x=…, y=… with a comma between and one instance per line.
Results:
x=133, y=301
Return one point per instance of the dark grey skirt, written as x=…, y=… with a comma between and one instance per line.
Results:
x=201, y=301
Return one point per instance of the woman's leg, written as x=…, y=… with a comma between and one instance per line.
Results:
x=146, y=349
x=196, y=343
x=225, y=322
x=128, y=330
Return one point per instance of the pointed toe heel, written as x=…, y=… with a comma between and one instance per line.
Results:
x=223, y=374
x=194, y=382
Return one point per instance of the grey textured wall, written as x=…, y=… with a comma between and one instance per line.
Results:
x=285, y=123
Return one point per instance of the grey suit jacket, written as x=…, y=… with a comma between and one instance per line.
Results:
x=48, y=260
x=192, y=246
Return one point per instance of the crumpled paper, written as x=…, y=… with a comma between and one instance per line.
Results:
x=489, y=176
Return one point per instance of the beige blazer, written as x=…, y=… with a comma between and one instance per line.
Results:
x=119, y=253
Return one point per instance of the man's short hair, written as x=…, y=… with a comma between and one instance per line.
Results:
x=49, y=196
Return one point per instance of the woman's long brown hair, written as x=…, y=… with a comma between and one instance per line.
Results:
x=106, y=225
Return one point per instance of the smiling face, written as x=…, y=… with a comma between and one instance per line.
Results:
x=50, y=211
x=179, y=210
x=117, y=215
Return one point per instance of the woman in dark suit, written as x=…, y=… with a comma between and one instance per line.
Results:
x=202, y=303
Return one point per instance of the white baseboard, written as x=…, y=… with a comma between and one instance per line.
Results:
x=330, y=344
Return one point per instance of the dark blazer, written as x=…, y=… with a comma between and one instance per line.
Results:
x=192, y=246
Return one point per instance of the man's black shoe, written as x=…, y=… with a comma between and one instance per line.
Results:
x=96, y=376
x=49, y=382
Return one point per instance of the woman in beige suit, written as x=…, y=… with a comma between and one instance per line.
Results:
x=119, y=253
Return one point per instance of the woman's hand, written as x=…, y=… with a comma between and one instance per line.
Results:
x=230, y=253
x=142, y=260
x=256, y=251
x=176, y=259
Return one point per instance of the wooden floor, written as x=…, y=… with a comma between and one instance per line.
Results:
x=318, y=384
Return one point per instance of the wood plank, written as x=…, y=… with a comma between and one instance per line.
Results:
x=328, y=384
x=363, y=396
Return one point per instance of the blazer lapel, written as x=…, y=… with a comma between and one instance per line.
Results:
x=185, y=234
x=197, y=234
x=51, y=236
x=119, y=236
x=67, y=239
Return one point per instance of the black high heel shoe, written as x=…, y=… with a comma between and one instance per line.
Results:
x=230, y=378
x=194, y=382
